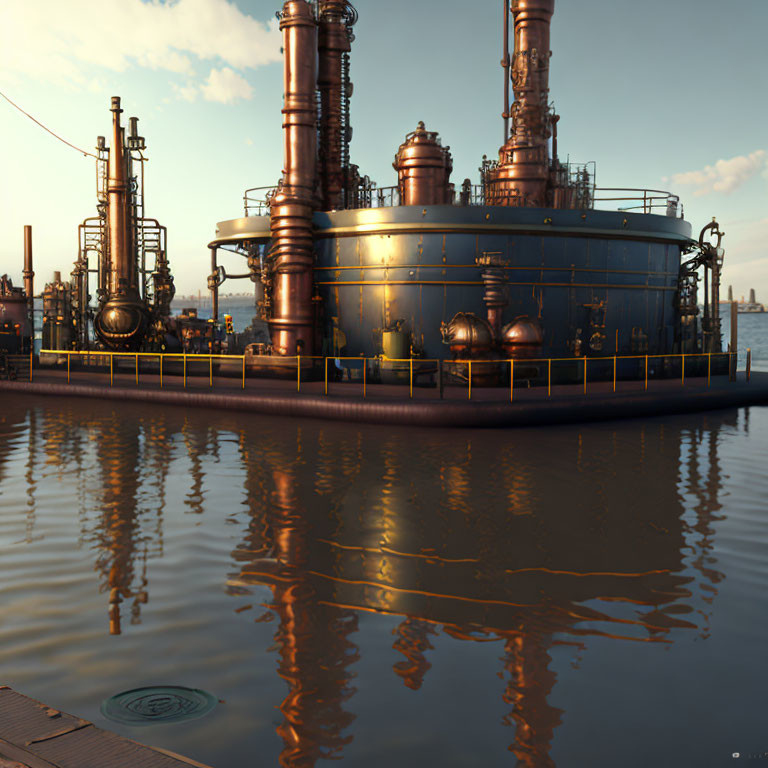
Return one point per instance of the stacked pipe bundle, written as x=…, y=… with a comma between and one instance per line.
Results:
x=294, y=201
x=521, y=177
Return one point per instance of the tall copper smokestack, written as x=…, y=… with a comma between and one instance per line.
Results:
x=523, y=170
x=29, y=278
x=333, y=44
x=292, y=205
x=122, y=320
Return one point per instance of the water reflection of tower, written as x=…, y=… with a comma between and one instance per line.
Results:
x=312, y=637
x=573, y=554
x=133, y=457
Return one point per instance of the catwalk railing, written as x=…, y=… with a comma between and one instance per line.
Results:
x=256, y=200
x=323, y=375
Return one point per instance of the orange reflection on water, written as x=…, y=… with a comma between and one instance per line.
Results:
x=467, y=540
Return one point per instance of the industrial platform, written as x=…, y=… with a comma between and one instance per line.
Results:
x=391, y=404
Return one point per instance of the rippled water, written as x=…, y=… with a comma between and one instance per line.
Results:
x=580, y=596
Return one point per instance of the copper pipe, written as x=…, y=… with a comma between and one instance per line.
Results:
x=334, y=42
x=523, y=171
x=214, y=284
x=120, y=263
x=292, y=205
x=29, y=278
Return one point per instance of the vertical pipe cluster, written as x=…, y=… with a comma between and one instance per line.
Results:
x=122, y=319
x=333, y=44
x=29, y=278
x=522, y=173
x=291, y=207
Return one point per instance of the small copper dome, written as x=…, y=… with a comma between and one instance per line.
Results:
x=522, y=336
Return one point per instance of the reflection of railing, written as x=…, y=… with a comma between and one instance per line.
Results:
x=645, y=200
x=443, y=370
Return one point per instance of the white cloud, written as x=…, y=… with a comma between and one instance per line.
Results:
x=62, y=42
x=226, y=86
x=188, y=92
x=725, y=175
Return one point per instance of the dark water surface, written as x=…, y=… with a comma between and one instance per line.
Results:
x=581, y=596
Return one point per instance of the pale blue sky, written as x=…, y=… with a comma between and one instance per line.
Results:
x=649, y=90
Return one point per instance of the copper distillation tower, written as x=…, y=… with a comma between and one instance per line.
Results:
x=316, y=172
x=124, y=250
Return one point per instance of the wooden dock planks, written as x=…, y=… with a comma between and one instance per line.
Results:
x=33, y=735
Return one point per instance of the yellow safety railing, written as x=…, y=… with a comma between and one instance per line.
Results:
x=187, y=358
x=137, y=356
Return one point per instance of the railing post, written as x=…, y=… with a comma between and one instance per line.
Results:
x=161, y=369
x=111, y=369
x=511, y=380
x=549, y=377
x=646, y=371
x=469, y=391
x=682, y=378
x=365, y=368
x=749, y=363
x=298, y=373
x=326, y=375
x=614, y=373
x=585, y=374
x=709, y=367
x=31, y=362
x=243, y=371
x=210, y=371
x=68, y=356
x=137, y=369
x=184, y=363
x=410, y=360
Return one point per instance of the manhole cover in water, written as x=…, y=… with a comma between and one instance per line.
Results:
x=166, y=704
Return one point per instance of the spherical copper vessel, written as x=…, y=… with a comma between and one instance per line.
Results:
x=122, y=323
x=468, y=335
x=523, y=337
x=423, y=168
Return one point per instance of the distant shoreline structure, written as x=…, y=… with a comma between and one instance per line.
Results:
x=746, y=307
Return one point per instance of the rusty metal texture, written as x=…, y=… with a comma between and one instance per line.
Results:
x=424, y=168
x=523, y=170
x=292, y=205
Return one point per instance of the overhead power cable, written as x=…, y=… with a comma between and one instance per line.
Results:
x=45, y=128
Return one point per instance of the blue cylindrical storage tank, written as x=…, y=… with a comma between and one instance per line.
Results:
x=418, y=264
